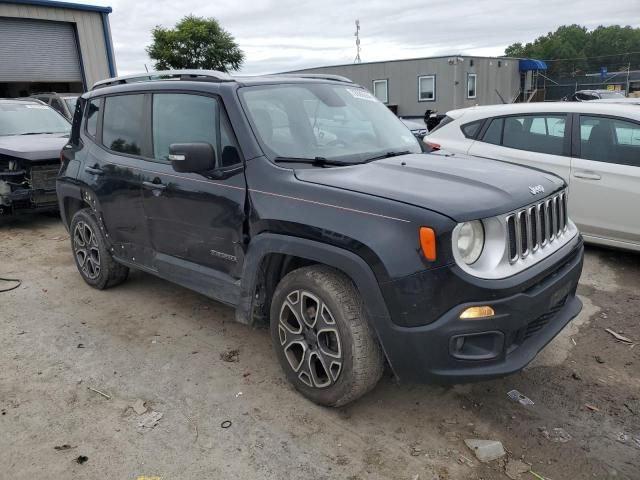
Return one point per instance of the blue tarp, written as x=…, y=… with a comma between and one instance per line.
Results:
x=527, y=64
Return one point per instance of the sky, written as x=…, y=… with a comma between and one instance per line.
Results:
x=281, y=35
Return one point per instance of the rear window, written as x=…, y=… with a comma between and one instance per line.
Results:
x=442, y=123
x=123, y=124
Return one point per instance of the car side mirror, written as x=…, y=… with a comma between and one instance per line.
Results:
x=192, y=157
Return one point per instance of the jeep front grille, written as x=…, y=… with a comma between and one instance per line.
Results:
x=536, y=226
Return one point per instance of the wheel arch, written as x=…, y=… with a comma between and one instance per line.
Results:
x=274, y=255
x=70, y=200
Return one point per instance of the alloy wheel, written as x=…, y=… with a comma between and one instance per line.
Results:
x=310, y=339
x=85, y=248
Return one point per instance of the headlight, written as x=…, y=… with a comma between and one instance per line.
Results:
x=470, y=241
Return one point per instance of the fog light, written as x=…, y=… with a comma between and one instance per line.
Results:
x=477, y=312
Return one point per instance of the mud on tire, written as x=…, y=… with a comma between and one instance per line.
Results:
x=322, y=337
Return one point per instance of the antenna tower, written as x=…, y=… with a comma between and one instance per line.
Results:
x=357, y=35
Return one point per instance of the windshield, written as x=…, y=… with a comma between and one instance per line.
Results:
x=327, y=121
x=71, y=103
x=30, y=118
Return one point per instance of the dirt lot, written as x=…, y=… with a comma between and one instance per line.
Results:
x=149, y=340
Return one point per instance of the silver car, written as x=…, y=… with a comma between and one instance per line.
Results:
x=594, y=146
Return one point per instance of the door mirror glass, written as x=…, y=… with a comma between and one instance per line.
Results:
x=192, y=157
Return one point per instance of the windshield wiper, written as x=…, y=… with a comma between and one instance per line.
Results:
x=318, y=161
x=38, y=133
x=387, y=155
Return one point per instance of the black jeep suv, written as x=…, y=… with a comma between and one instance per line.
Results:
x=352, y=243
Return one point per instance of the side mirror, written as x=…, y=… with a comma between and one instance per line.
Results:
x=192, y=157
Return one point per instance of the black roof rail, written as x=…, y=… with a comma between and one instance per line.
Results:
x=198, y=75
x=318, y=76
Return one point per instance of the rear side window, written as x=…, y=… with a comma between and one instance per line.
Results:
x=470, y=130
x=609, y=140
x=93, y=112
x=183, y=118
x=493, y=134
x=123, y=127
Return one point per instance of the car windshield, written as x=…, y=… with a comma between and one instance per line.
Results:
x=71, y=103
x=325, y=121
x=25, y=118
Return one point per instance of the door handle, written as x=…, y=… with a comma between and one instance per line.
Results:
x=587, y=175
x=154, y=185
x=95, y=170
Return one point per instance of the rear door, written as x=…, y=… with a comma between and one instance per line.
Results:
x=116, y=146
x=541, y=140
x=195, y=220
x=604, y=198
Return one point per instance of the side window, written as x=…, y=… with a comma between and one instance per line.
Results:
x=493, y=134
x=183, y=118
x=542, y=134
x=470, y=130
x=609, y=140
x=230, y=154
x=123, y=124
x=93, y=112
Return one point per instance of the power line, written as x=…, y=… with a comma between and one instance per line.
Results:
x=588, y=58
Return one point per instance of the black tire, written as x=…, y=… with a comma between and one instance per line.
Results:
x=91, y=254
x=321, y=376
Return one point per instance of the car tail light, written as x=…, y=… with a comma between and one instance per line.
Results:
x=432, y=146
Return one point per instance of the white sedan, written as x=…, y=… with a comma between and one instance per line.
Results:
x=594, y=146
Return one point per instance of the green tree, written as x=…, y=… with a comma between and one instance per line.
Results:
x=195, y=43
x=572, y=49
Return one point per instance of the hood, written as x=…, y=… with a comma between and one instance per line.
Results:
x=33, y=147
x=459, y=186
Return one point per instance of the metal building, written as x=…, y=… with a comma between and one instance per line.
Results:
x=53, y=46
x=409, y=87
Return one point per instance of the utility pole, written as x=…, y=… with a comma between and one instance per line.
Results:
x=357, y=35
x=626, y=93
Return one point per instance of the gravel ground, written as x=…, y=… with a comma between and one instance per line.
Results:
x=157, y=347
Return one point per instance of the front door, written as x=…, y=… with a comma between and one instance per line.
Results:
x=604, y=195
x=195, y=220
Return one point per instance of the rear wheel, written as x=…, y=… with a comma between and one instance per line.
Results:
x=92, y=256
x=322, y=337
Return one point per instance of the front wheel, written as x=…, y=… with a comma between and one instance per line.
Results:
x=322, y=337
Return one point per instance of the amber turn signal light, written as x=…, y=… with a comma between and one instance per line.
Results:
x=428, y=243
x=477, y=312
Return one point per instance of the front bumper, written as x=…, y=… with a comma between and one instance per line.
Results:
x=492, y=347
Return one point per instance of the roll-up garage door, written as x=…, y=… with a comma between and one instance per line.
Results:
x=38, y=51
